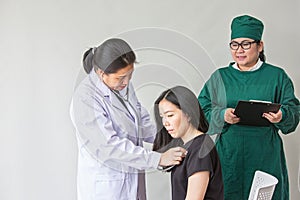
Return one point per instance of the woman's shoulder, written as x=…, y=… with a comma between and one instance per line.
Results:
x=82, y=86
x=274, y=71
x=207, y=140
x=273, y=68
x=222, y=70
x=218, y=74
x=203, y=142
x=91, y=89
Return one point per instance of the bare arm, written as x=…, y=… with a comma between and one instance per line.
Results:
x=197, y=185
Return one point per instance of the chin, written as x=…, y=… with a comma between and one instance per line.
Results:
x=121, y=88
x=174, y=136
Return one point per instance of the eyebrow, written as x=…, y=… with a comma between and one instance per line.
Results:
x=166, y=112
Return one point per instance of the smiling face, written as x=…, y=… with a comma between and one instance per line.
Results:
x=173, y=119
x=246, y=59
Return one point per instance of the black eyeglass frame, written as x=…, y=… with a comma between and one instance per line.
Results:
x=243, y=43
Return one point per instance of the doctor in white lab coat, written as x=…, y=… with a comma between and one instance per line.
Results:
x=110, y=127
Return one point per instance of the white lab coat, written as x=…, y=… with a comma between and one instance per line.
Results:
x=111, y=158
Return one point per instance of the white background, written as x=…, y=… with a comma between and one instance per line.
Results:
x=41, y=46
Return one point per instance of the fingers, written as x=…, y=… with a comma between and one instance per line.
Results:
x=273, y=117
x=230, y=117
x=178, y=154
x=173, y=156
x=234, y=120
x=180, y=151
x=268, y=116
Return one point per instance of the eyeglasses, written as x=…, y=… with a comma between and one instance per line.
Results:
x=244, y=44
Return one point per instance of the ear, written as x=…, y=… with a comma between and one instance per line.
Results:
x=261, y=46
x=99, y=72
x=188, y=117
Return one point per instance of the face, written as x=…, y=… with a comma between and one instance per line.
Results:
x=246, y=59
x=173, y=119
x=119, y=80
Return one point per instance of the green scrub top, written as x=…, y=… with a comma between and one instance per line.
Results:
x=245, y=149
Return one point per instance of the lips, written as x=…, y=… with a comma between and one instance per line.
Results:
x=170, y=131
x=121, y=87
x=241, y=57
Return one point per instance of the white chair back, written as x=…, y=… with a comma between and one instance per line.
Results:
x=263, y=186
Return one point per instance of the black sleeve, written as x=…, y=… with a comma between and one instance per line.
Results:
x=201, y=158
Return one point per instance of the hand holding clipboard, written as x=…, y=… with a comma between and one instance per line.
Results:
x=250, y=112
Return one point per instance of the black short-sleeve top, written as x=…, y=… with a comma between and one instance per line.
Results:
x=202, y=156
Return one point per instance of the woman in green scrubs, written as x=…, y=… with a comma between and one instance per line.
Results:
x=243, y=149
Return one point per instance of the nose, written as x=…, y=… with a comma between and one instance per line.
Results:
x=126, y=80
x=165, y=122
x=239, y=49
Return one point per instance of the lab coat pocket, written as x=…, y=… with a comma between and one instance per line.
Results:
x=111, y=186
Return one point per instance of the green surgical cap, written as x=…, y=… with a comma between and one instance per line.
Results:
x=246, y=26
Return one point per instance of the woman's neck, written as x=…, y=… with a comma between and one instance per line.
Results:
x=191, y=133
x=249, y=68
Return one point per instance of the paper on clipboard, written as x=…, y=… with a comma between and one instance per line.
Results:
x=250, y=112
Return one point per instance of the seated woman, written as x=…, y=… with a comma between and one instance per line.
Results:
x=180, y=120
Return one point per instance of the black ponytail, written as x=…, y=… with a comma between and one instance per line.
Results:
x=87, y=60
x=262, y=56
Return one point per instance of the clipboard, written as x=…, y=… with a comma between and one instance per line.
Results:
x=250, y=112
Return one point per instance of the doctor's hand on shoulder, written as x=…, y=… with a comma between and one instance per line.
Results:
x=172, y=157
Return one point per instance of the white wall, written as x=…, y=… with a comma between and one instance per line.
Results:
x=41, y=46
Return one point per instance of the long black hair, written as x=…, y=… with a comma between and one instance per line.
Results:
x=110, y=56
x=186, y=101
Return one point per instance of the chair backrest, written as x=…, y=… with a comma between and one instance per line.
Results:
x=263, y=186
